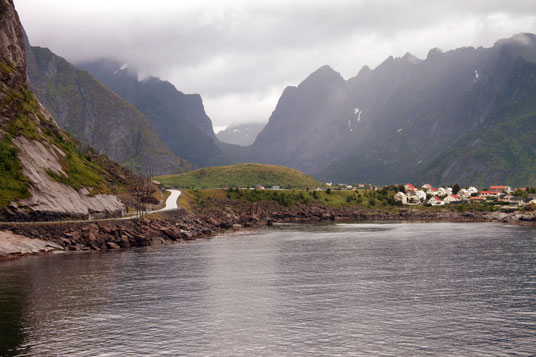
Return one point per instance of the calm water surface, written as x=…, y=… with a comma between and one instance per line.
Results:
x=303, y=290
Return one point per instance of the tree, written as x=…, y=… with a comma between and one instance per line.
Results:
x=455, y=189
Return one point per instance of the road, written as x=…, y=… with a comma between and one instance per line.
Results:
x=171, y=204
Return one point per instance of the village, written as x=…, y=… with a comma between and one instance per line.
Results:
x=500, y=195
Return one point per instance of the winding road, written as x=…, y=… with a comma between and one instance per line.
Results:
x=171, y=204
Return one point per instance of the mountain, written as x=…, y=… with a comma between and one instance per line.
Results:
x=241, y=175
x=240, y=134
x=465, y=116
x=43, y=174
x=94, y=114
x=180, y=118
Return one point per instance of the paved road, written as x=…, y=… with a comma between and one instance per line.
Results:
x=171, y=204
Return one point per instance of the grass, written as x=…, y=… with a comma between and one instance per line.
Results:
x=290, y=198
x=13, y=184
x=241, y=175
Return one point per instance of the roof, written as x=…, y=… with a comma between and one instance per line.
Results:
x=410, y=186
x=489, y=192
x=455, y=196
x=433, y=189
x=498, y=187
x=478, y=198
x=435, y=198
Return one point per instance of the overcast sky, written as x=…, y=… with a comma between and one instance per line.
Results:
x=240, y=55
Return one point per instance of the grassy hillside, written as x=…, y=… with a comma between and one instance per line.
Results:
x=505, y=152
x=241, y=175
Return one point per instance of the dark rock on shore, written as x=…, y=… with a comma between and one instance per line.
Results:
x=228, y=215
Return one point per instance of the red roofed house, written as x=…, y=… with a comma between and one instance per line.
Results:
x=500, y=188
x=435, y=201
x=490, y=193
x=409, y=187
x=451, y=198
x=478, y=199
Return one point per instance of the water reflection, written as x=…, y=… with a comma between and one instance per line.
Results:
x=336, y=289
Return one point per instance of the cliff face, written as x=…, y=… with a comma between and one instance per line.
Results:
x=90, y=111
x=43, y=174
x=179, y=118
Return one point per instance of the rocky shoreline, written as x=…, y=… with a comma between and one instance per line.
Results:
x=223, y=216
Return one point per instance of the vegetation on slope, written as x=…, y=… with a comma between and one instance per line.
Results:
x=289, y=198
x=241, y=175
x=502, y=153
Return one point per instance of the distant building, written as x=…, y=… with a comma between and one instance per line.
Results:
x=478, y=199
x=452, y=198
x=409, y=187
x=435, y=201
x=505, y=189
x=490, y=193
x=472, y=190
x=401, y=197
x=442, y=192
x=276, y=187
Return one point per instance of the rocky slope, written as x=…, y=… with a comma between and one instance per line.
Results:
x=464, y=116
x=94, y=114
x=180, y=118
x=43, y=174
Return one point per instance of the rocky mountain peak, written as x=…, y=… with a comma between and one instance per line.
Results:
x=408, y=57
x=13, y=59
x=323, y=75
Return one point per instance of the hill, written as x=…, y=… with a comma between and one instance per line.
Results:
x=96, y=115
x=241, y=175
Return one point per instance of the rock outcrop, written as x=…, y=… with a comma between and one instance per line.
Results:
x=43, y=174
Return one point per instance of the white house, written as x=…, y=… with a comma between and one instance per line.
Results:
x=451, y=198
x=442, y=192
x=472, y=190
x=409, y=187
x=432, y=191
x=463, y=193
x=417, y=196
x=401, y=197
x=435, y=201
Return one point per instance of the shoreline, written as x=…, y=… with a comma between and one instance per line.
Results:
x=224, y=216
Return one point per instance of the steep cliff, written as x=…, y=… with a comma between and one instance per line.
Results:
x=90, y=111
x=179, y=118
x=43, y=174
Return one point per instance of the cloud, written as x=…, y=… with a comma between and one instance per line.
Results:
x=240, y=55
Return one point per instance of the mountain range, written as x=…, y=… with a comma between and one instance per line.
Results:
x=243, y=134
x=94, y=114
x=466, y=115
x=179, y=118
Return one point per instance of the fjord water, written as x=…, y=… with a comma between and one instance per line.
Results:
x=338, y=289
